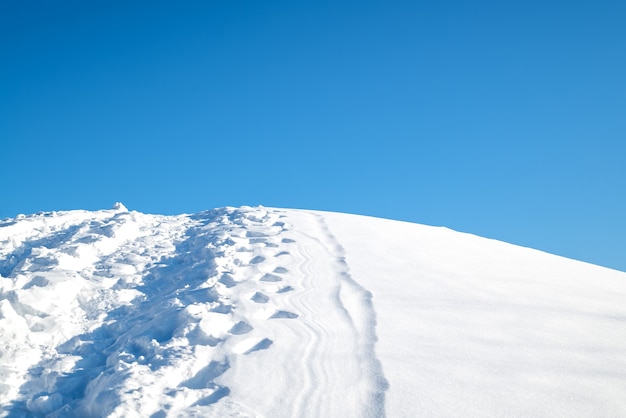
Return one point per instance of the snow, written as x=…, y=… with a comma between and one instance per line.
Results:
x=252, y=312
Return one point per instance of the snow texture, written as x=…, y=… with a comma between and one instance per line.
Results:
x=257, y=312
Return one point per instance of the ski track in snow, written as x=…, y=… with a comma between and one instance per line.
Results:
x=122, y=314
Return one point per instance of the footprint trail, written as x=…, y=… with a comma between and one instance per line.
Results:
x=229, y=312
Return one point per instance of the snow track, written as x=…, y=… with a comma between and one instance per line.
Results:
x=343, y=378
x=211, y=314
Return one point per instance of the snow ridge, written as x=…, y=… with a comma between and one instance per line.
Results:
x=117, y=313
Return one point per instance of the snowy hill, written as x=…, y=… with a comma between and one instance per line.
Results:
x=288, y=313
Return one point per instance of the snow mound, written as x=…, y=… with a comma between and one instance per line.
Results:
x=119, y=206
x=269, y=312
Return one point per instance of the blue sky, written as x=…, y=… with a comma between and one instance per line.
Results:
x=504, y=119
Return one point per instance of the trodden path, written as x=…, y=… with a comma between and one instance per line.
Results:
x=230, y=312
x=310, y=351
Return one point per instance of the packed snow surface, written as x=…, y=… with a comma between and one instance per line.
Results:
x=257, y=312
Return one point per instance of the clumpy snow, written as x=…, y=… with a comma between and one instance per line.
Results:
x=257, y=312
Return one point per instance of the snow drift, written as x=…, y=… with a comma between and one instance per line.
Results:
x=281, y=313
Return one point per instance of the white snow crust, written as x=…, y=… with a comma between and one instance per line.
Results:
x=261, y=312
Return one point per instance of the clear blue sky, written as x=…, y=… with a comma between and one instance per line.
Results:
x=504, y=119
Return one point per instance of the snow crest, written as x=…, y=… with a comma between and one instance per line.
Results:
x=229, y=312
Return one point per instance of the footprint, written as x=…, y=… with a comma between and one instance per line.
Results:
x=284, y=289
x=204, y=377
x=220, y=392
x=251, y=345
x=227, y=280
x=198, y=336
x=282, y=253
x=281, y=224
x=280, y=270
x=39, y=281
x=268, y=277
x=283, y=314
x=258, y=259
x=288, y=240
x=255, y=234
x=259, y=297
x=256, y=240
x=240, y=328
x=222, y=308
x=271, y=245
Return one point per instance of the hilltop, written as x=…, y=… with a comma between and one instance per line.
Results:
x=272, y=312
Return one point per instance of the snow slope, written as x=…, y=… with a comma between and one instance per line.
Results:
x=283, y=313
